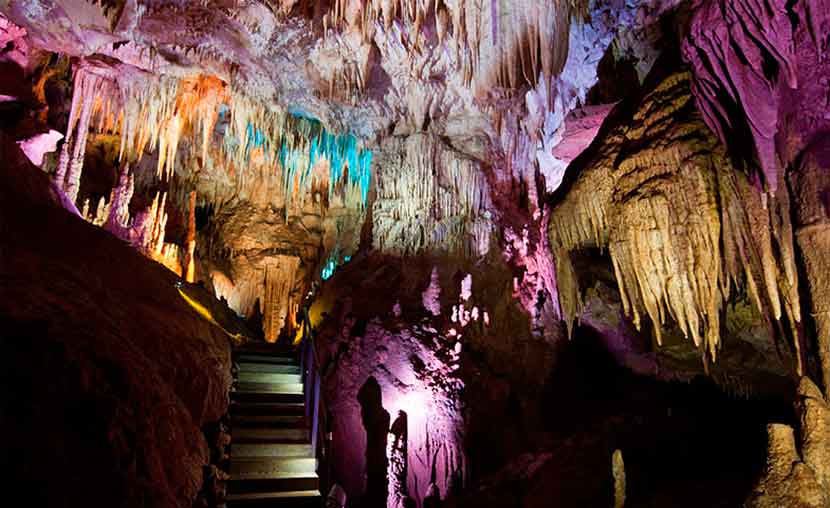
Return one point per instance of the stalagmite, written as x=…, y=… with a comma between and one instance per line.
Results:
x=432, y=294
x=122, y=193
x=102, y=211
x=812, y=232
x=618, y=471
x=396, y=454
x=74, y=112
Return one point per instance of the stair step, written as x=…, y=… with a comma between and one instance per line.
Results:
x=270, y=450
x=265, y=358
x=286, y=482
x=272, y=462
x=266, y=408
x=280, y=388
x=271, y=368
x=258, y=468
x=292, y=498
x=268, y=347
x=259, y=420
x=269, y=435
x=268, y=378
x=268, y=393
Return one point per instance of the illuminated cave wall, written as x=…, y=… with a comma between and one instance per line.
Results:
x=399, y=360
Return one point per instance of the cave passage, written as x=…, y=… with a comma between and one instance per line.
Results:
x=415, y=254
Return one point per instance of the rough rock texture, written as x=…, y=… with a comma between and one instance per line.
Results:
x=760, y=80
x=798, y=468
x=404, y=151
x=680, y=223
x=386, y=371
x=107, y=373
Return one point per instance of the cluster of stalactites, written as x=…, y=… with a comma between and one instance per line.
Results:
x=160, y=112
x=682, y=226
x=311, y=147
x=430, y=199
x=499, y=43
x=272, y=287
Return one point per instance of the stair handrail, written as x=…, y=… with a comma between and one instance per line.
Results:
x=315, y=408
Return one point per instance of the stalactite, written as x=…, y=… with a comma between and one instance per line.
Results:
x=681, y=225
x=497, y=43
x=567, y=283
x=159, y=110
x=434, y=192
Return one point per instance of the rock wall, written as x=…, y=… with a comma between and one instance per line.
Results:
x=392, y=378
x=107, y=374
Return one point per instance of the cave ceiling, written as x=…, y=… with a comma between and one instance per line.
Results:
x=259, y=146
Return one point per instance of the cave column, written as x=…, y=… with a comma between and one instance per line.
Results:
x=810, y=188
x=276, y=302
x=71, y=162
x=190, y=261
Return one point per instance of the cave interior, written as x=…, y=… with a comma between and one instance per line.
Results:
x=415, y=253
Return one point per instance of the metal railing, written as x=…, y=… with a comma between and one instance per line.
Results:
x=315, y=409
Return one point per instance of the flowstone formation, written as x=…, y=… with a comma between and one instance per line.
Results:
x=395, y=387
x=662, y=196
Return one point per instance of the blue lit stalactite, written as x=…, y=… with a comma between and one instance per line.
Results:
x=331, y=266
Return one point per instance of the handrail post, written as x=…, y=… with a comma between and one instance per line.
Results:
x=316, y=413
x=311, y=390
x=309, y=379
